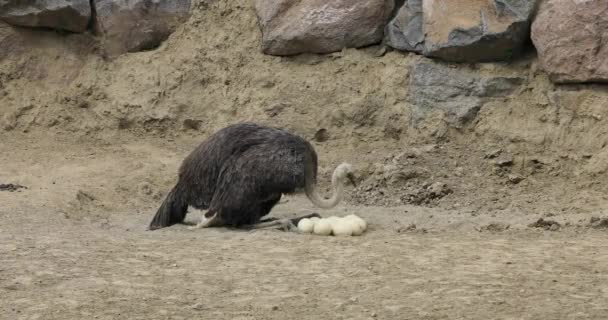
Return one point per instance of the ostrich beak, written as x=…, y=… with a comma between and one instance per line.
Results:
x=351, y=178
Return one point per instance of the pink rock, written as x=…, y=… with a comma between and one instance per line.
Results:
x=570, y=37
x=70, y=15
x=137, y=25
x=462, y=30
x=318, y=26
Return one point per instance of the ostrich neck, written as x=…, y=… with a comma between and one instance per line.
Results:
x=337, y=190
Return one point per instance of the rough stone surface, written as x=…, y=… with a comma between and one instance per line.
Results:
x=404, y=31
x=570, y=37
x=70, y=15
x=136, y=25
x=291, y=27
x=458, y=93
x=462, y=30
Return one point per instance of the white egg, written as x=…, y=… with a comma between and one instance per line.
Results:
x=355, y=226
x=332, y=219
x=362, y=223
x=342, y=227
x=306, y=225
x=315, y=219
x=358, y=220
x=351, y=216
x=322, y=227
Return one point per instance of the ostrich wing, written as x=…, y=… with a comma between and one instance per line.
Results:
x=253, y=177
x=200, y=170
x=272, y=167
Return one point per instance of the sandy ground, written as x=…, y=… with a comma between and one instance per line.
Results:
x=71, y=251
x=453, y=213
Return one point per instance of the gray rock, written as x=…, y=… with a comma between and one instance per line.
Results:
x=462, y=31
x=458, y=93
x=570, y=38
x=136, y=25
x=514, y=178
x=291, y=27
x=70, y=15
x=404, y=31
x=598, y=223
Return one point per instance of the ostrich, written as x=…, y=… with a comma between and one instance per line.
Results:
x=240, y=173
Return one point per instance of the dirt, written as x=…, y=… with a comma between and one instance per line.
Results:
x=74, y=246
x=454, y=213
x=10, y=187
x=546, y=224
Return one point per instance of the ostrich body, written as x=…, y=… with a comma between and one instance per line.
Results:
x=240, y=173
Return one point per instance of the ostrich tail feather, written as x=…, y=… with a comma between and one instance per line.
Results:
x=173, y=210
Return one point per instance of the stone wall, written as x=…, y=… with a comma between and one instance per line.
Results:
x=122, y=25
x=567, y=34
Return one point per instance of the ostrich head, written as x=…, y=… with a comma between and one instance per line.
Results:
x=344, y=174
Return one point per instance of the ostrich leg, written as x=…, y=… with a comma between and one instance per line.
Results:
x=295, y=221
x=208, y=219
x=283, y=224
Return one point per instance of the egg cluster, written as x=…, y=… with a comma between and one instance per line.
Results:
x=350, y=225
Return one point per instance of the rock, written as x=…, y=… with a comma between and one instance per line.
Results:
x=514, y=178
x=570, y=39
x=275, y=109
x=321, y=135
x=495, y=227
x=399, y=177
x=410, y=227
x=69, y=15
x=427, y=195
x=11, y=187
x=545, y=224
x=458, y=93
x=192, y=124
x=291, y=27
x=504, y=161
x=473, y=31
x=493, y=153
x=146, y=189
x=462, y=30
x=404, y=31
x=459, y=172
x=598, y=223
x=439, y=189
x=408, y=154
x=198, y=306
x=136, y=25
